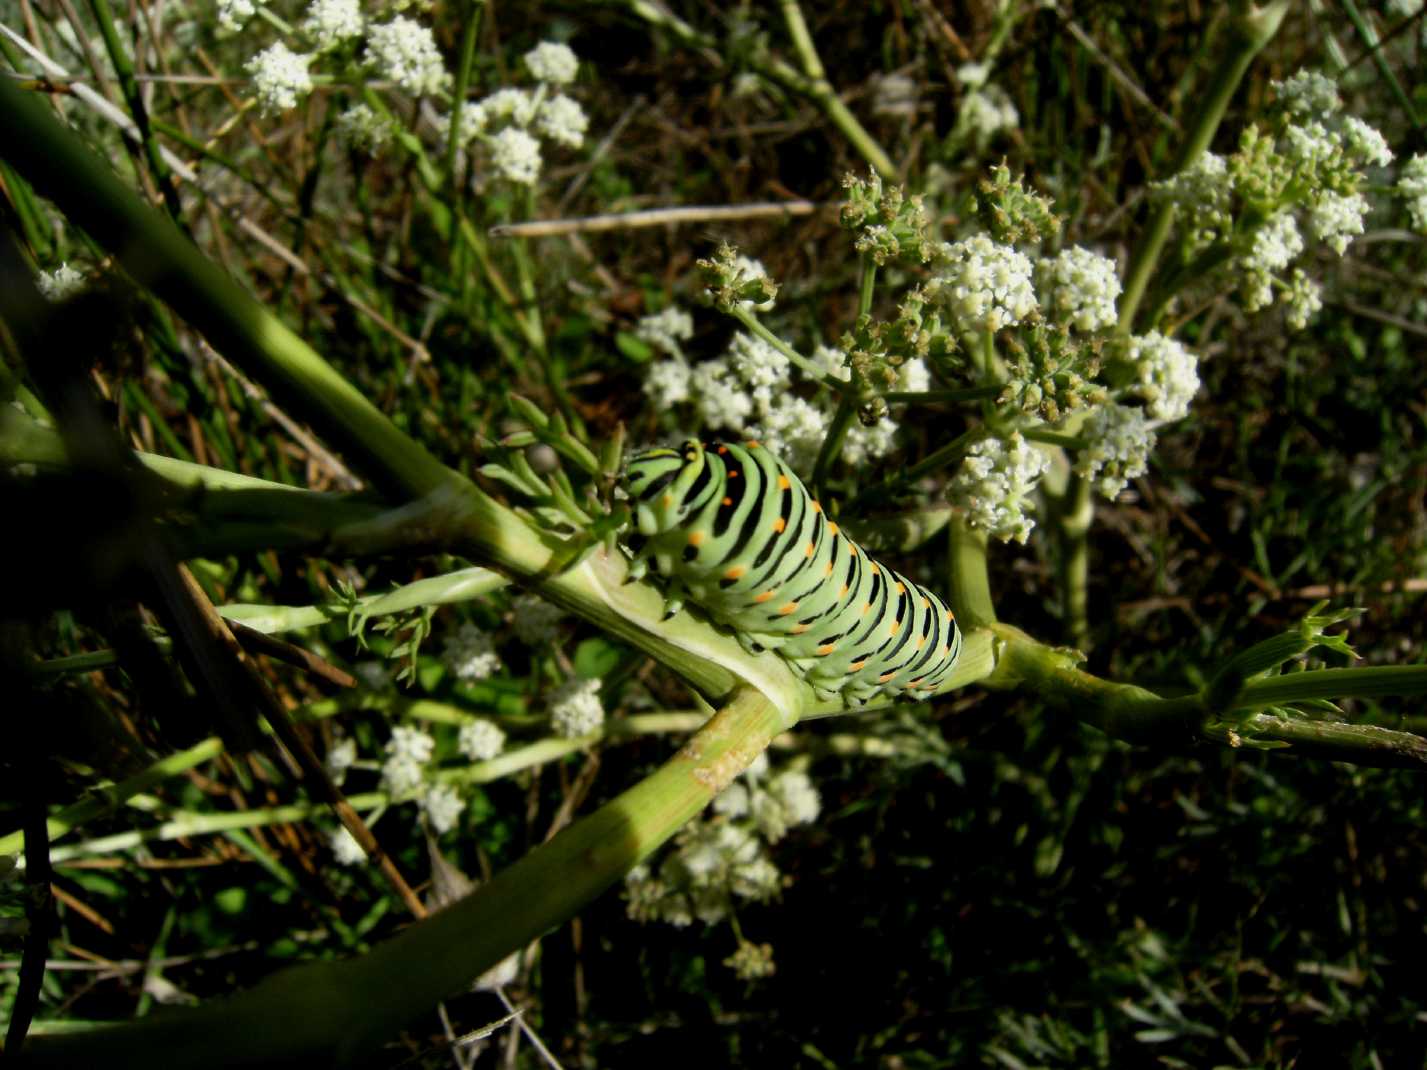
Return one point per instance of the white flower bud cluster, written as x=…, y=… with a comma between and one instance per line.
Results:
x=341, y=756
x=666, y=329
x=232, y=14
x=983, y=284
x=985, y=108
x=1121, y=440
x=280, y=78
x=575, y=708
x=408, y=752
x=405, y=51
x=470, y=654
x=1303, y=299
x=1308, y=93
x=332, y=23
x=361, y=128
x=1412, y=187
x=345, y=848
x=1079, y=288
x=993, y=485
x=480, y=740
x=442, y=805
x=552, y=63
x=724, y=858
x=64, y=281
x=1168, y=375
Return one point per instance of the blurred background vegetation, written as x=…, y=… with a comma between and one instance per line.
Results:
x=1009, y=887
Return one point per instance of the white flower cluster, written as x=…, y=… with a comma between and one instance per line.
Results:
x=575, y=708
x=985, y=109
x=552, y=63
x=985, y=285
x=1204, y=196
x=470, y=654
x=341, y=756
x=331, y=23
x=1308, y=93
x=1168, y=375
x=1275, y=245
x=232, y=14
x=1302, y=300
x=749, y=391
x=1080, y=288
x=724, y=858
x=535, y=619
x=665, y=330
x=1412, y=187
x=344, y=847
x=442, y=805
x=1121, y=439
x=993, y=484
x=280, y=78
x=408, y=752
x=361, y=128
x=509, y=119
x=480, y=740
x=405, y=51
x=64, y=281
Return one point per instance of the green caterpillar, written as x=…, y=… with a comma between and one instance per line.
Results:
x=733, y=530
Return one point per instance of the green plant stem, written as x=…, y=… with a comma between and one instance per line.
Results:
x=104, y=799
x=1073, y=515
x=337, y=1013
x=754, y=325
x=970, y=581
x=162, y=259
x=1377, y=682
x=129, y=86
x=1249, y=30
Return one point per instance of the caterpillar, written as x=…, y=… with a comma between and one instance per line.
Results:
x=733, y=530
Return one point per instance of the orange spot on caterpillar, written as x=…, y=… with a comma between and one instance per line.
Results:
x=885, y=677
x=901, y=588
x=856, y=665
x=875, y=570
x=817, y=506
x=764, y=596
x=808, y=552
x=728, y=501
x=695, y=538
x=722, y=450
x=921, y=642
x=828, y=571
x=735, y=572
x=832, y=527
x=827, y=648
x=799, y=629
x=783, y=483
x=752, y=444
x=865, y=607
x=926, y=602
x=895, y=625
x=784, y=610
x=667, y=500
x=779, y=524
x=733, y=474
x=843, y=592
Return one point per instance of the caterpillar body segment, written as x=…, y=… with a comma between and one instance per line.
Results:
x=732, y=529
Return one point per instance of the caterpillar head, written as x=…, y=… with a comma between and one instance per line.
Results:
x=658, y=481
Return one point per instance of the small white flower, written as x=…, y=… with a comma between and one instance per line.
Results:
x=986, y=112
x=791, y=427
x=1303, y=300
x=720, y=399
x=1080, y=288
x=1336, y=217
x=516, y=156
x=732, y=801
x=405, y=51
x=575, y=708
x=1121, y=440
x=1412, y=187
x=1308, y=93
x=64, y=281
x=993, y=483
x=868, y=443
x=408, y=742
x=833, y=362
x=1276, y=243
x=402, y=775
x=552, y=63
x=801, y=801
x=232, y=14
x=340, y=757
x=1310, y=145
x=757, y=880
x=443, y=805
x=1168, y=375
x=470, y=654
x=535, y=620
x=280, y=78
x=345, y=848
x=508, y=105
x=913, y=377
x=1366, y=141
x=330, y=23
x=985, y=285
x=562, y=120
x=665, y=330
x=1203, y=192
x=895, y=94
x=667, y=384
x=973, y=75
x=361, y=128
x=480, y=740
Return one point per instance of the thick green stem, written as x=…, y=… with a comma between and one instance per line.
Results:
x=1073, y=516
x=1249, y=29
x=335, y=1014
x=970, y=582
